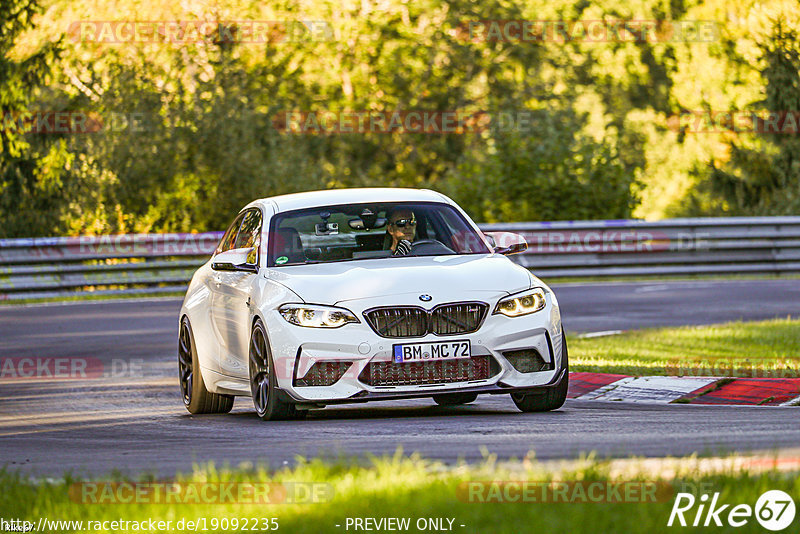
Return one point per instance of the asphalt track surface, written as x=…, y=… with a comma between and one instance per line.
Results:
x=134, y=421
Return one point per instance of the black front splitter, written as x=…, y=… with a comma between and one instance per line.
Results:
x=369, y=396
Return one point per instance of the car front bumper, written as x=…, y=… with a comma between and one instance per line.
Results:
x=296, y=349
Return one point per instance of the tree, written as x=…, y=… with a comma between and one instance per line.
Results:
x=762, y=176
x=30, y=173
x=548, y=170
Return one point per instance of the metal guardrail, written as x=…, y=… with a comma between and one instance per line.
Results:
x=732, y=245
x=161, y=263
x=101, y=265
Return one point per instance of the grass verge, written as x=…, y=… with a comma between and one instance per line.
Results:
x=758, y=349
x=585, y=498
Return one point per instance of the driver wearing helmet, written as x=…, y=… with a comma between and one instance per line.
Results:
x=401, y=229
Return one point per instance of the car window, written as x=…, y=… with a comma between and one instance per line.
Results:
x=462, y=239
x=250, y=230
x=360, y=231
x=229, y=239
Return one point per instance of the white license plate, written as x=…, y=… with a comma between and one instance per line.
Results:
x=439, y=350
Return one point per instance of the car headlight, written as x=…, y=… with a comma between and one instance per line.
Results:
x=524, y=303
x=315, y=316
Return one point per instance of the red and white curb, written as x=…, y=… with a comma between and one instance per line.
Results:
x=688, y=390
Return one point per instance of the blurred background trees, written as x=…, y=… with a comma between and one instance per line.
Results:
x=31, y=173
x=189, y=129
x=762, y=177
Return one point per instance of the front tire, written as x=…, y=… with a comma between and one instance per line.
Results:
x=196, y=397
x=264, y=382
x=550, y=398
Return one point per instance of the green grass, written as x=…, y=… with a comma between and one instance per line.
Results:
x=767, y=348
x=401, y=486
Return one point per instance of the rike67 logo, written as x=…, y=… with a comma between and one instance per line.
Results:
x=774, y=510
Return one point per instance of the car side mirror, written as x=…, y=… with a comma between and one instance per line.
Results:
x=238, y=259
x=506, y=242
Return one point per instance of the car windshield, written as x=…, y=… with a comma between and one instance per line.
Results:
x=365, y=231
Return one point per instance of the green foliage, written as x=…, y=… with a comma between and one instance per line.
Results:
x=548, y=171
x=763, y=178
x=189, y=130
x=30, y=174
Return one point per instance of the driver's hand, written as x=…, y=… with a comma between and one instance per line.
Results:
x=403, y=248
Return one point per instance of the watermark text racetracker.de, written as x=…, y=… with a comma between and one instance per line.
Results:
x=314, y=122
x=408, y=121
x=589, y=31
x=68, y=368
x=118, y=246
x=558, y=491
x=202, y=493
x=396, y=121
x=611, y=240
x=736, y=121
x=200, y=31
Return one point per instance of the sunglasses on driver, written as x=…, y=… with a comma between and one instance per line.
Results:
x=401, y=223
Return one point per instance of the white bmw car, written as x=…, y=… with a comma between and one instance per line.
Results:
x=354, y=295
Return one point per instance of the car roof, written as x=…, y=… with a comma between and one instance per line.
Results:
x=330, y=197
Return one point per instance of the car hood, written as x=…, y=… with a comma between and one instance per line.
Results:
x=443, y=277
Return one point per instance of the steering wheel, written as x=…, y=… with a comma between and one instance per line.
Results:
x=430, y=247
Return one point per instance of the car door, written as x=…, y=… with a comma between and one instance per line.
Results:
x=232, y=300
x=214, y=283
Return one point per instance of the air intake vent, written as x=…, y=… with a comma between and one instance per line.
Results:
x=527, y=360
x=324, y=374
x=432, y=372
